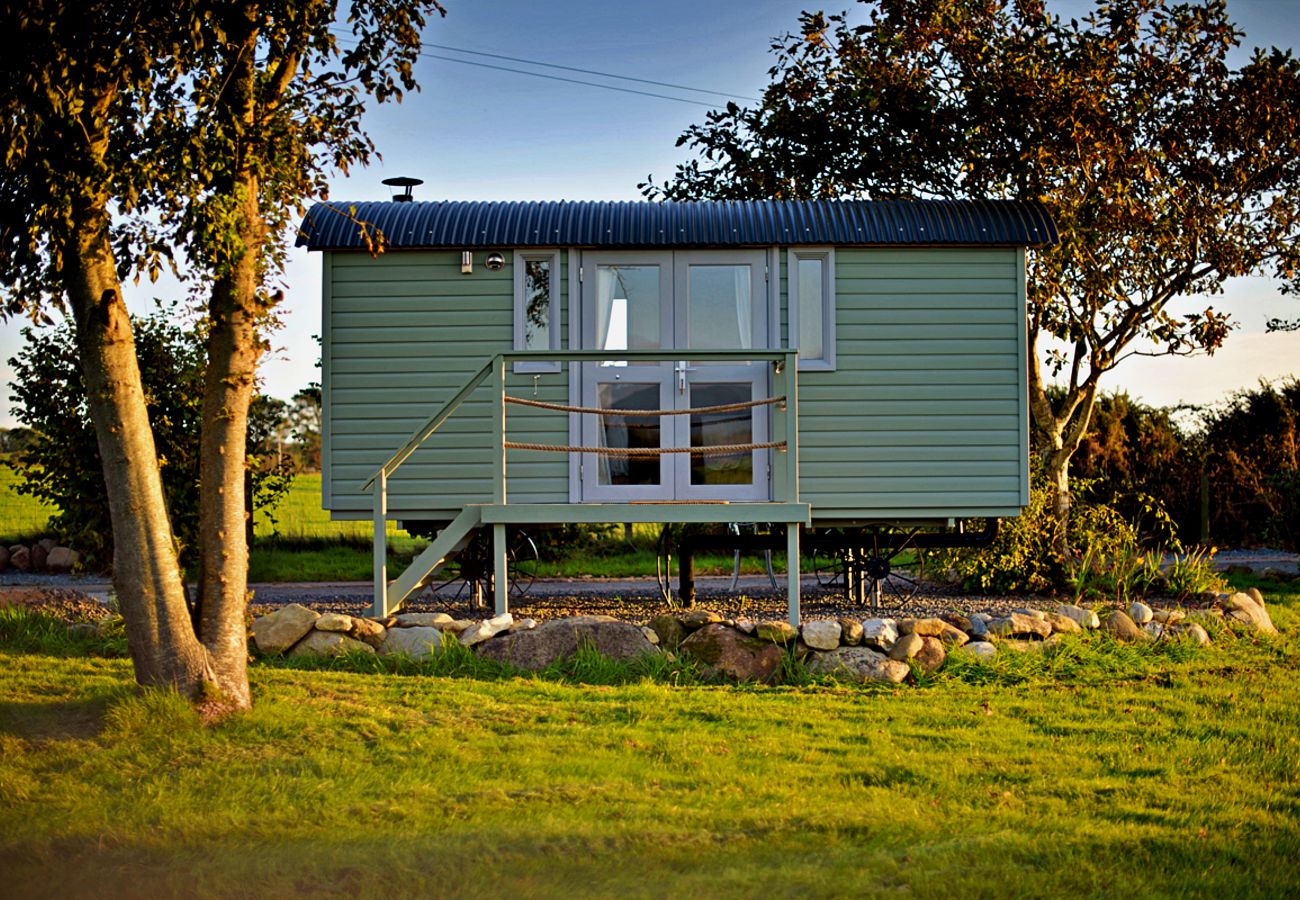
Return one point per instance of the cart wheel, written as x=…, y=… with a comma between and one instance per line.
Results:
x=470, y=572
x=665, y=558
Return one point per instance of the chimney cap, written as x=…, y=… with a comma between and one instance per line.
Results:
x=405, y=182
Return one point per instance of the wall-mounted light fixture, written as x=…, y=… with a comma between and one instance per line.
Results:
x=494, y=261
x=467, y=262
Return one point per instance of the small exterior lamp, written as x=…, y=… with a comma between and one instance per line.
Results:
x=494, y=261
x=467, y=262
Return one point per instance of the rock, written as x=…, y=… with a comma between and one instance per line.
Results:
x=982, y=650
x=671, y=632
x=952, y=635
x=1119, y=626
x=1018, y=624
x=1139, y=612
x=1032, y=613
x=1237, y=569
x=1154, y=629
x=280, y=630
x=931, y=655
x=698, y=618
x=1168, y=616
x=423, y=620
x=907, y=646
x=1192, y=632
x=416, y=641
x=745, y=626
x=61, y=559
x=957, y=620
x=1243, y=608
x=802, y=651
x=456, y=626
x=858, y=664
x=822, y=634
x=39, y=555
x=329, y=643
x=979, y=627
x=1255, y=595
x=850, y=632
x=83, y=629
x=1085, y=617
x=1063, y=624
x=777, y=632
x=650, y=634
x=332, y=621
x=4, y=558
x=369, y=631
x=923, y=627
x=20, y=558
x=488, y=628
x=879, y=633
x=558, y=639
x=46, y=544
x=525, y=624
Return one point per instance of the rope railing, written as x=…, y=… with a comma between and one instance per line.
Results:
x=604, y=411
x=711, y=450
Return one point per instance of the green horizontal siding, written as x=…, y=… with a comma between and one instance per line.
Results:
x=922, y=417
x=405, y=331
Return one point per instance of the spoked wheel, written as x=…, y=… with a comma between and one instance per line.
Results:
x=667, y=561
x=470, y=572
x=861, y=563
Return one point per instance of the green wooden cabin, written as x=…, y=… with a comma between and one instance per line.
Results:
x=857, y=362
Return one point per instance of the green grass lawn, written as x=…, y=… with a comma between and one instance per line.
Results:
x=21, y=517
x=1098, y=771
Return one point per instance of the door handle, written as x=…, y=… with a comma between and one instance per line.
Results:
x=682, y=368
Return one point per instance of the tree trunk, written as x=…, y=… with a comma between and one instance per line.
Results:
x=146, y=572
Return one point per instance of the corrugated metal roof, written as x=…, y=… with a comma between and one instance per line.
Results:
x=469, y=225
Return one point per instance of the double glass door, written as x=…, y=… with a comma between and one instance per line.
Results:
x=705, y=300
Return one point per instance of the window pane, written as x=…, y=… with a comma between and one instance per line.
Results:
x=812, y=307
x=721, y=315
x=537, y=304
x=627, y=309
x=720, y=429
x=629, y=432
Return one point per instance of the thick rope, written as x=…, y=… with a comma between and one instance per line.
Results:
x=602, y=411
x=713, y=450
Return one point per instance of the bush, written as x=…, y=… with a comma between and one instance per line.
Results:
x=60, y=463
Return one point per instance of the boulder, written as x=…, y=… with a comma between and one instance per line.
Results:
x=777, y=632
x=725, y=652
x=1032, y=613
x=979, y=626
x=1242, y=608
x=1119, y=626
x=879, y=633
x=858, y=664
x=280, y=630
x=850, y=632
x=1139, y=612
x=952, y=635
x=698, y=618
x=1154, y=629
x=423, y=620
x=20, y=558
x=329, y=643
x=488, y=628
x=822, y=634
x=745, y=626
x=1255, y=595
x=46, y=544
x=671, y=632
x=650, y=634
x=524, y=625
x=931, y=655
x=957, y=620
x=61, y=559
x=1085, y=617
x=1192, y=632
x=557, y=639
x=1063, y=624
x=982, y=650
x=456, y=626
x=1019, y=624
x=417, y=642
x=332, y=621
x=907, y=646
x=923, y=627
x=39, y=557
x=1168, y=616
x=369, y=631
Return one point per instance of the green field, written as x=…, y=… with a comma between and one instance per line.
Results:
x=1095, y=771
x=21, y=517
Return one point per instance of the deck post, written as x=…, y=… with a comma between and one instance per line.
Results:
x=500, y=571
x=792, y=570
x=380, y=608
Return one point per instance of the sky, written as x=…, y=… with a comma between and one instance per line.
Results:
x=479, y=133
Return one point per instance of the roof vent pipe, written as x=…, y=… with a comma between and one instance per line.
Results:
x=406, y=184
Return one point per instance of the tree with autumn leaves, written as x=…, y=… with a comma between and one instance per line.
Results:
x=139, y=134
x=1168, y=169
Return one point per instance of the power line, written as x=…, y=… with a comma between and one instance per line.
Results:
x=595, y=84
x=534, y=62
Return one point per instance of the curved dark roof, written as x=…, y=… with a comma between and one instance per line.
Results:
x=460, y=224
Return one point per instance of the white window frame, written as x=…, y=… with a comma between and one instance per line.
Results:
x=825, y=362
x=520, y=273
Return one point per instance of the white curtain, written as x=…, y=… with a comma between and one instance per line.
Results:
x=744, y=307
